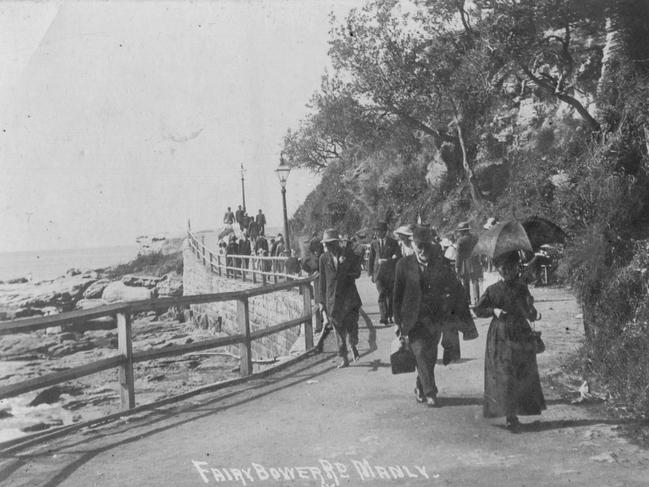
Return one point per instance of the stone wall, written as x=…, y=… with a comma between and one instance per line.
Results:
x=265, y=310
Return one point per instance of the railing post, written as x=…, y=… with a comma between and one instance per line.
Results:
x=203, y=249
x=218, y=262
x=125, y=346
x=243, y=267
x=211, y=258
x=263, y=276
x=317, y=317
x=245, y=351
x=308, y=309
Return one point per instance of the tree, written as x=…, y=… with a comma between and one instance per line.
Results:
x=537, y=38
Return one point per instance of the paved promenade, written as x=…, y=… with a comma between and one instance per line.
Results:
x=314, y=425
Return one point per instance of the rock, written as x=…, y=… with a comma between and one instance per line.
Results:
x=155, y=378
x=47, y=396
x=118, y=291
x=53, y=330
x=66, y=336
x=95, y=290
x=50, y=310
x=42, y=426
x=141, y=281
x=90, y=303
x=606, y=457
x=72, y=272
x=19, y=280
x=27, y=312
x=5, y=413
x=170, y=285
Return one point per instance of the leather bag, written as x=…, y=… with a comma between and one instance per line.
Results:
x=402, y=360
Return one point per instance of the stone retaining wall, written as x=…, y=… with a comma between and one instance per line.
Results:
x=266, y=310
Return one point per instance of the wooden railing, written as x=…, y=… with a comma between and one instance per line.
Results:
x=126, y=357
x=245, y=267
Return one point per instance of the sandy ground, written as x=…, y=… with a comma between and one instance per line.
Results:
x=356, y=426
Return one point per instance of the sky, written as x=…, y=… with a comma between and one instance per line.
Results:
x=120, y=119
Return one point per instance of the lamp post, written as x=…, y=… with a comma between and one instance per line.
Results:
x=283, y=171
x=243, y=189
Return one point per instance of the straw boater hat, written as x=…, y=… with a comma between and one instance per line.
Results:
x=405, y=230
x=463, y=227
x=330, y=235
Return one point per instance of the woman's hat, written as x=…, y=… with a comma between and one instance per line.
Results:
x=405, y=230
x=330, y=235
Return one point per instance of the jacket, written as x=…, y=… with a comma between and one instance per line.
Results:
x=337, y=284
x=383, y=271
x=448, y=297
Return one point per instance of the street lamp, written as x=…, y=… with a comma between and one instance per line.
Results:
x=283, y=171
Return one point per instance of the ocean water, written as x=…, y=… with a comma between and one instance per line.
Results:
x=49, y=264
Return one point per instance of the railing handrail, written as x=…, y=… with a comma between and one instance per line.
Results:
x=30, y=324
x=126, y=357
x=124, y=311
x=213, y=260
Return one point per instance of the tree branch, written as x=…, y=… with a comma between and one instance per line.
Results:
x=564, y=97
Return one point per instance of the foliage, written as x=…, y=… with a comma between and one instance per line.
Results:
x=155, y=264
x=529, y=107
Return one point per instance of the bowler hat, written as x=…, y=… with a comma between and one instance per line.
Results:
x=330, y=235
x=422, y=233
x=381, y=226
x=463, y=227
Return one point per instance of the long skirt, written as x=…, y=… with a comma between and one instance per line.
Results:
x=511, y=377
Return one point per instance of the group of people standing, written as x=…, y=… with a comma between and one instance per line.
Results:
x=252, y=240
x=254, y=226
x=425, y=295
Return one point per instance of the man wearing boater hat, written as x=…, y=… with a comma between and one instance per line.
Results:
x=338, y=297
x=384, y=253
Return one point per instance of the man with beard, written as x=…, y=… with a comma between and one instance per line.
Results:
x=426, y=294
x=338, y=297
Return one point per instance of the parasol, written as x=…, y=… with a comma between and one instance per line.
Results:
x=503, y=238
x=541, y=231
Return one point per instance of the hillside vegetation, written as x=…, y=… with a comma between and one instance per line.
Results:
x=458, y=110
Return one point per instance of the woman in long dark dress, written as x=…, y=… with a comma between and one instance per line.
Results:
x=512, y=383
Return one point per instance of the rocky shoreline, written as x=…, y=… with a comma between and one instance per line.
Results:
x=29, y=355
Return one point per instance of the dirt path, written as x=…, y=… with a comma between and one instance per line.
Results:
x=312, y=424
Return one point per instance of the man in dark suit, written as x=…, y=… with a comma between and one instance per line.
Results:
x=468, y=267
x=384, y=253
x=426, y=294
x=338, y=297
x=260, y=219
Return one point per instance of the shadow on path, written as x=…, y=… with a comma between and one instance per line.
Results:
x=538, y=426
x=167, y=414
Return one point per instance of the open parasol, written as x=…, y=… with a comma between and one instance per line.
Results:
x=542, y=231
x=503, y=238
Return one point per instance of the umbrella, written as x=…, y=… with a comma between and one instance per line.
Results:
x=542, y=231
x=503, y=238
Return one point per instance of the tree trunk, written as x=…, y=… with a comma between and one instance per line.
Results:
x=476, y=195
